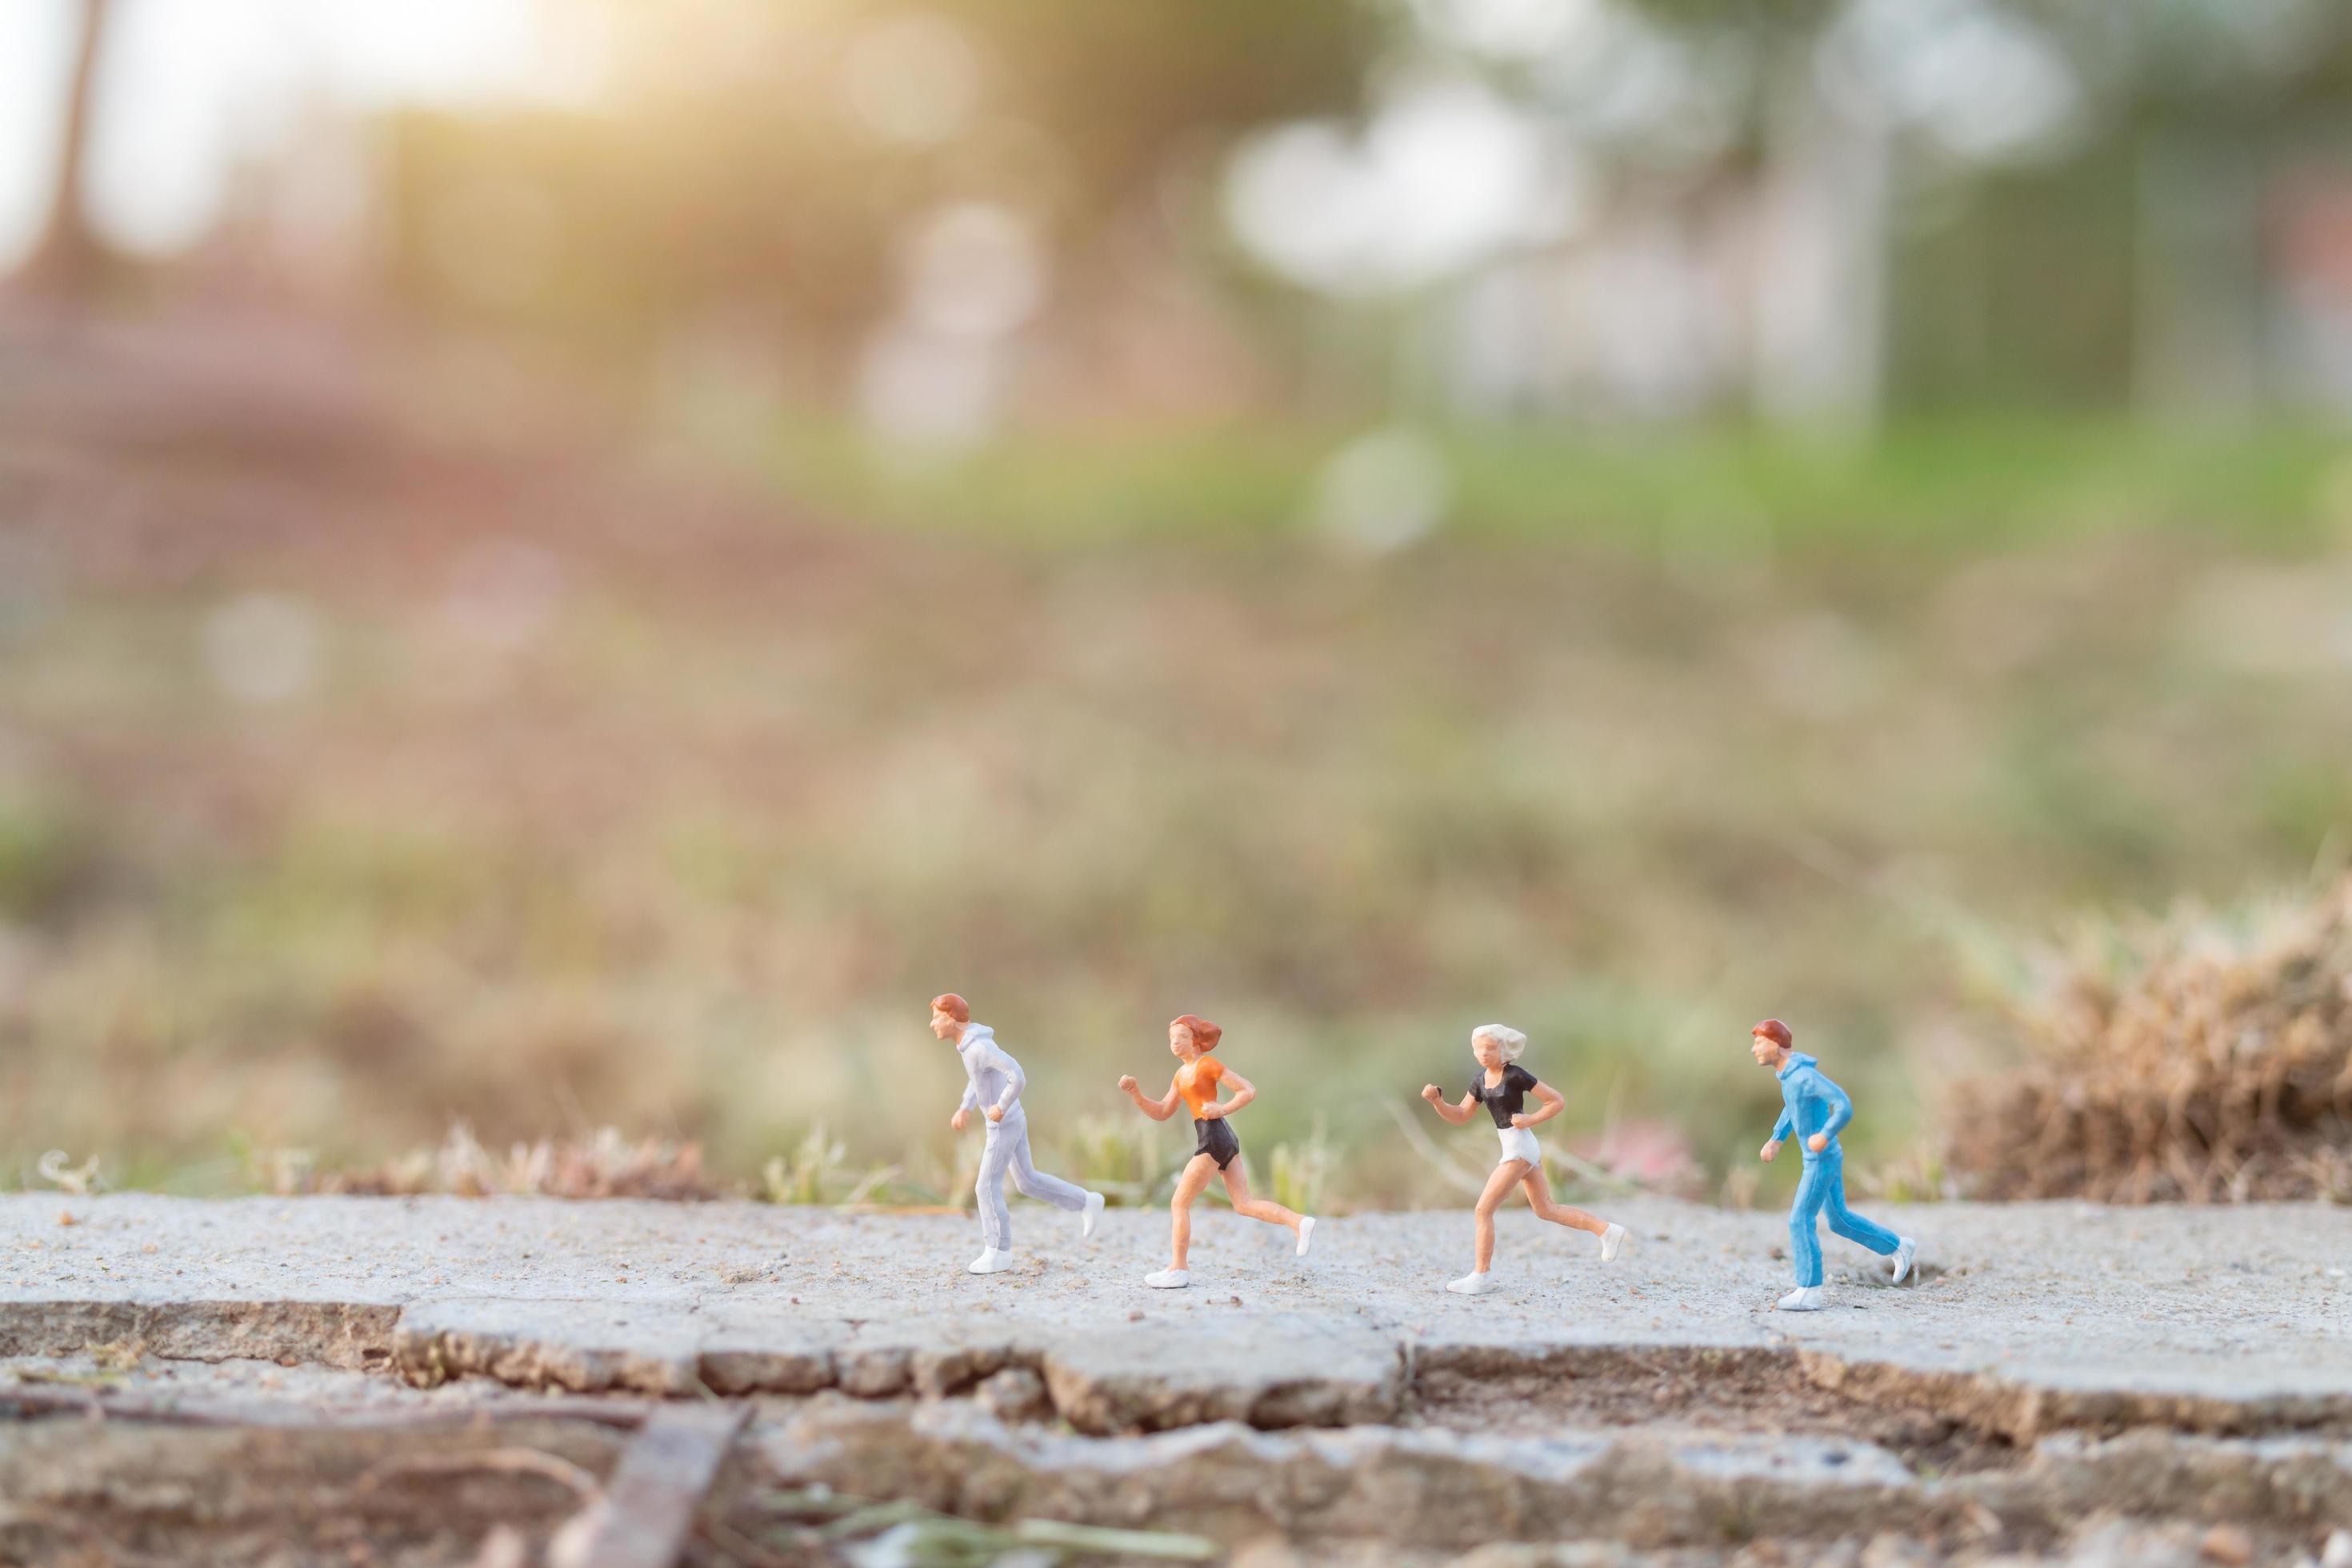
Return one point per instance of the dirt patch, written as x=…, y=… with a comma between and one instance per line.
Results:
x=135, y=1492
x=1744, y=1391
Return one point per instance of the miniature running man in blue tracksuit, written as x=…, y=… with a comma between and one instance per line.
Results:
x=1816, y=1111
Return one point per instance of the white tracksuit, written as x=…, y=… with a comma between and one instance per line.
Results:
x=996, y=1079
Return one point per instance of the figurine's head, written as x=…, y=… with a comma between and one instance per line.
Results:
x=1496, y=1044
x=949, y=1013
x=1192, y=1038
x=1769, y=1043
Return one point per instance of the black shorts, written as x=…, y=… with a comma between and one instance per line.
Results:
x=1213, y=1137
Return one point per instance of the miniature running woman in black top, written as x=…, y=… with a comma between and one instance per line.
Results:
x=1502, y=1085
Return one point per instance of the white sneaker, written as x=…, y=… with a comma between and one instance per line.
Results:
x=1169, y=1280
x=1471, y=1284
x=1905, y=1247
x=1612, y=1242
x=992, y=1260
x=1803, y=1298
x=1093, y=1213
x=1305, y=1234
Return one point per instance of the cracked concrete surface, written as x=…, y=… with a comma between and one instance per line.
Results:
x=2216, y=1318
x=2056, y=1367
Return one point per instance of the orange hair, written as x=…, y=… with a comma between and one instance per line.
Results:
x=954, y=1005
x=1205, y=1035
x=1777, y=1032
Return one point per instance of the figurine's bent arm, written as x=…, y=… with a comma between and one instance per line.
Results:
x=1014, y=1081
x=1244, y=1092
x=1159, y=1110
x=1456, y=1114
x=1841, y=1107
x=1553, y=1104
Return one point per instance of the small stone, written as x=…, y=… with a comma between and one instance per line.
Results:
x=2228, y=1545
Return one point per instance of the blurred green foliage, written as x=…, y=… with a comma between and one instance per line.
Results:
x=1946, y=487
x=725, y=174
x=689, y=857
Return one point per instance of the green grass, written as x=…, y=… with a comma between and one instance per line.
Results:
x=1948, y=487
x=1080, y=727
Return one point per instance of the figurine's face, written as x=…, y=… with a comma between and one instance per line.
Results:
x=1489, y=1054
x=1765, y=1049
x=1180, y=1042
x=945, y=1027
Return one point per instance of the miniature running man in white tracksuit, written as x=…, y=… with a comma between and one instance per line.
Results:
x=994, y=1090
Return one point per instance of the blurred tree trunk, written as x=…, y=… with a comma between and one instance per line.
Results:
x=69, y=259
x=1819, y=343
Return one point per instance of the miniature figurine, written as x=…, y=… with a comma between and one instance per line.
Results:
x=1215, y=1146
x=1502, y=1085
x=994, y=1090
x=1816, y=1109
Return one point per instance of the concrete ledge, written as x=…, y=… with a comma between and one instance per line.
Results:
x=2027, y=1319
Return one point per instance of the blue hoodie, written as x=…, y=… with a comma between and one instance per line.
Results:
x=1814, y=1104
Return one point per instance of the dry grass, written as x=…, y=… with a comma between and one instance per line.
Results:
x=2200, y=1061
x=606, y=1165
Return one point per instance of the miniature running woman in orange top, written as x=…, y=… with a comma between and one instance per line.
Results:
x=1216, y=1148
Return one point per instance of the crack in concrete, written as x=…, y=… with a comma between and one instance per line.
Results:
x=1130, y=1379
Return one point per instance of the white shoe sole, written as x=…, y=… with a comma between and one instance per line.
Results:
x=1465, y=1286
x=1093, y=1213
x=1168, y=1281
x=1612, y=1242
x=1305, y=1234
x=1904, y=1256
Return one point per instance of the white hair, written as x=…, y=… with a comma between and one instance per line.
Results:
x=1507, y=1040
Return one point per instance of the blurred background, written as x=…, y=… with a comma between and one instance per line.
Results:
x=567, y=563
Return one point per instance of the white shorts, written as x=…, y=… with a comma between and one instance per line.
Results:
x=1519, y=1143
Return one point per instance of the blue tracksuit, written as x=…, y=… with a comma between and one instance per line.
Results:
x=1814, y=1104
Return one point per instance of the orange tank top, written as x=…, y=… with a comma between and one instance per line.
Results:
x=1196, y=1080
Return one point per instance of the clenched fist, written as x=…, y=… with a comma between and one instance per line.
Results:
x=1432, y=1093
x=958, y=1119
x=1817, y=1141
x=996, y=1113
x=1126, y=1082
x=1771, y=1147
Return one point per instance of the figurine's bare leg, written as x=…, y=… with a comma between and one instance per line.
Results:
x=1248, y=1208
x=1189, y=1185
x=1540, y=1199
x=1498, y=1187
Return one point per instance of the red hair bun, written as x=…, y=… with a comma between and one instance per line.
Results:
x=1205, y=1035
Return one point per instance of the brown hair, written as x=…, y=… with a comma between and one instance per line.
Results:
x=1777, y=1032
x=1205, y=1035
x=954, y=1005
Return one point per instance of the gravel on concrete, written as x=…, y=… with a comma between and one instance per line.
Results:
x=2245, y=1306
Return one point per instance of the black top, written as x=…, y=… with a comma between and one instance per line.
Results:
x=1504, y=1100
